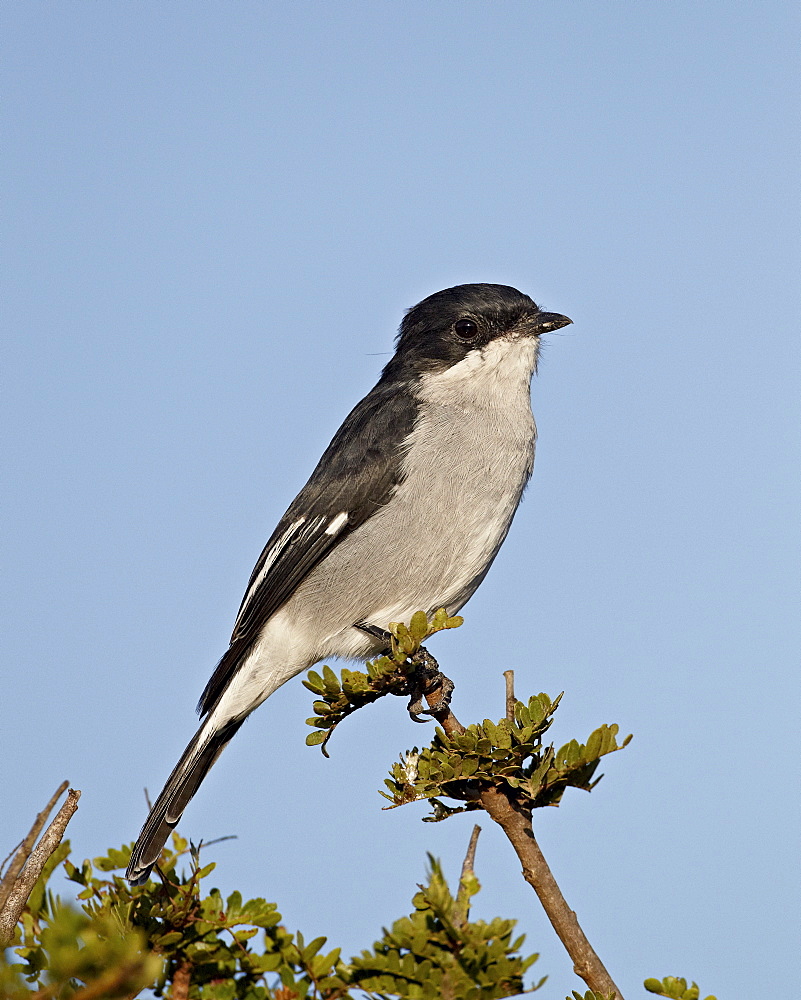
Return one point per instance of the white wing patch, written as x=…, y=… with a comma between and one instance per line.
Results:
x=294, y=533
x=337, y=523
x=271, y=556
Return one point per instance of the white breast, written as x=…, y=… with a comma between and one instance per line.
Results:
x=469, y=459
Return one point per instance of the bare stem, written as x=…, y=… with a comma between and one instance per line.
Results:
x=517, y=827
x=23, y=852
x=470, y=858
x=516, y=824
x=509, y=677
x=462, y=898
x=37, y=859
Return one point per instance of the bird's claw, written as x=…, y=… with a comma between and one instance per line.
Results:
x=416, y=706
x=424, y=677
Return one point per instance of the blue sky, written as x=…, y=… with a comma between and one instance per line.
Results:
x=215, y=217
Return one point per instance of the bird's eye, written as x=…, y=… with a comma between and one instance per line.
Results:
x=465, y=329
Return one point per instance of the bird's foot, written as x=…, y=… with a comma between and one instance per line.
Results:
x=424, y=677
x=425, y=680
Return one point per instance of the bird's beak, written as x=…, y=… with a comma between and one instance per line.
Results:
x=548, y=322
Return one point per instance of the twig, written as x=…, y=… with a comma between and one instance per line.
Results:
x=24, y=884
x=462, y=897
x=509, y=677
x=469, y=862
x=217, y=840
x=516, y=824
x=25, y=848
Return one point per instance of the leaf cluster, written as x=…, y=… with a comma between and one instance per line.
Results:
x=124, y=939
x=339, y=697
x=438, y=952
x=60, y=946
x=509, y=754
x=675, y=988
x=179, y=928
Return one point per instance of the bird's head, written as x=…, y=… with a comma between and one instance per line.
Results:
x=467, y=320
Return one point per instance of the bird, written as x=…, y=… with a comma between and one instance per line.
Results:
x=405, y=511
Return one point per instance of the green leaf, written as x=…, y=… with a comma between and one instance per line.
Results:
x=171, y=937
x=418, y=627
x=330, y=680
x=314, y=682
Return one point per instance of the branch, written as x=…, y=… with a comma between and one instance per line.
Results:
x=181, y=980
x=25, y=848
x=517, y=827
x=516, y=824
x=18, y=896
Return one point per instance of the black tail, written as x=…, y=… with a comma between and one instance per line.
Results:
x=182, y=784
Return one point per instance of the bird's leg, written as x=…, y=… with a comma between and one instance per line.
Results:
x=423, y=679
x=377, y=633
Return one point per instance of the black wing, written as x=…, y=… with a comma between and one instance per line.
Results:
x=354, y=478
